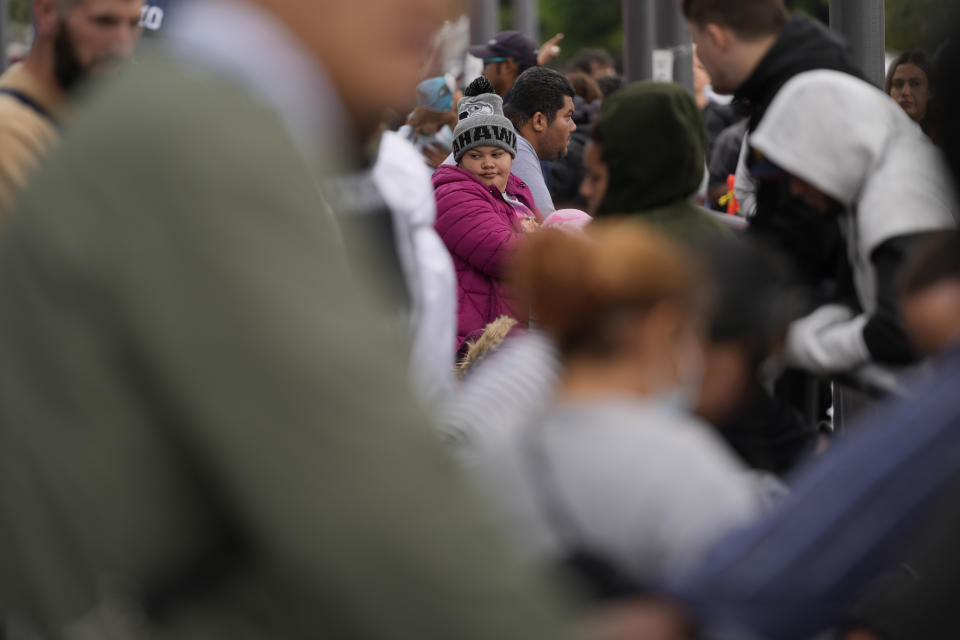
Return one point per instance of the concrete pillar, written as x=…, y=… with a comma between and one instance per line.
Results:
x=672, y=33
x=484, y=20
x=638, y=26
x=526, y=18
x=861, y=23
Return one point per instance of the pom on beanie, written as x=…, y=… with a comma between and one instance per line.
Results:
x=479, y=86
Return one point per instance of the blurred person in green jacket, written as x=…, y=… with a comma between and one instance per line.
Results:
x=646, y=159
x=205, y=425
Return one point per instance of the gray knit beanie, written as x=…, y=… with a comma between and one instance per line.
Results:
x=482, y=124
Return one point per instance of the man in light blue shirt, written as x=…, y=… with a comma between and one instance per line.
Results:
x=541, y=109
x=527, y=167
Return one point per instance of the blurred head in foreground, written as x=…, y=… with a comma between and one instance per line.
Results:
x=931, y=295
x=623, y=303
x=754, y=299
x=371, y=50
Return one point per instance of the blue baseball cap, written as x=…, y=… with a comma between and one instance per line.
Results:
x=435, y=93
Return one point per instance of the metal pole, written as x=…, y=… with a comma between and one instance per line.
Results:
x=526, y=19
x=637, y=39
x=672, y=33
x=861, y=23
x=484, y=20
x=4, y=27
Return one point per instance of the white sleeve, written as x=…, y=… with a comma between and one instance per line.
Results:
x=745, y=188
x=829, y=340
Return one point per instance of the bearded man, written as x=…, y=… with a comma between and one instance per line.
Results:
x=75, y=39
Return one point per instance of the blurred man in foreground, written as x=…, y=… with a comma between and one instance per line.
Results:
x=206, y=429
x=75, y=39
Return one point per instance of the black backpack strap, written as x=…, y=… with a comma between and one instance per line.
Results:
x=29, y=102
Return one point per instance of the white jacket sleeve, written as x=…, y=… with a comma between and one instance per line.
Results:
x=829, y=340
x=404, y=182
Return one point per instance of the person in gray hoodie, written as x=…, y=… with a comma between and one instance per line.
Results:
x=855, y=157
x=591, y=481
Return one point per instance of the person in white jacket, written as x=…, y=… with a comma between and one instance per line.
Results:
x=850, y=151
x=403, y=180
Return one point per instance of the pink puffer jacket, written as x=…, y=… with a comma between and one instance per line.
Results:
x=480, y=229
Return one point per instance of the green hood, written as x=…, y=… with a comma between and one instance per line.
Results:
x=654, y=144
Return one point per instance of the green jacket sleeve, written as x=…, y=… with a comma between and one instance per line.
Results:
x=201, y=249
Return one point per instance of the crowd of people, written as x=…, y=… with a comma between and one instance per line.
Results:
x=344, y=340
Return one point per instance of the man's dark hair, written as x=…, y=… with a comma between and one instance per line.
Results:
x=585, y=59
x=477, y=87
x=538, y=89
x=585, y=86
x=748, y=19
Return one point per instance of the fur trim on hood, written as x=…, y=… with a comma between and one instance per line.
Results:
x=493, y=336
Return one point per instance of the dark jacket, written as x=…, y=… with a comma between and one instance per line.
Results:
x=717, y=118
x=812, y=241
x=567, y=173
x=768, y=434
x=726, y=154
x=803, y=45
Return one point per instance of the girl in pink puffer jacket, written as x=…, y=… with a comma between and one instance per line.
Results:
x=482, y=212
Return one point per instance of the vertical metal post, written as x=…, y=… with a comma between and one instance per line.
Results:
x=672, y=33
x=4, y=29
x=861, y=23
x=484, y=20
x=637, y=16
x=526, y=18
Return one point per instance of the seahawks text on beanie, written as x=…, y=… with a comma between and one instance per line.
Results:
x=482, y=124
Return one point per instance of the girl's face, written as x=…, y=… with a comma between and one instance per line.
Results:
x=490, y=164
x=911, y=90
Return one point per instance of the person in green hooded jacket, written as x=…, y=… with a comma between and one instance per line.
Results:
x=646, y=157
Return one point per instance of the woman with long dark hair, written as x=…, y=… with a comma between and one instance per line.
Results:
x=910, y=84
